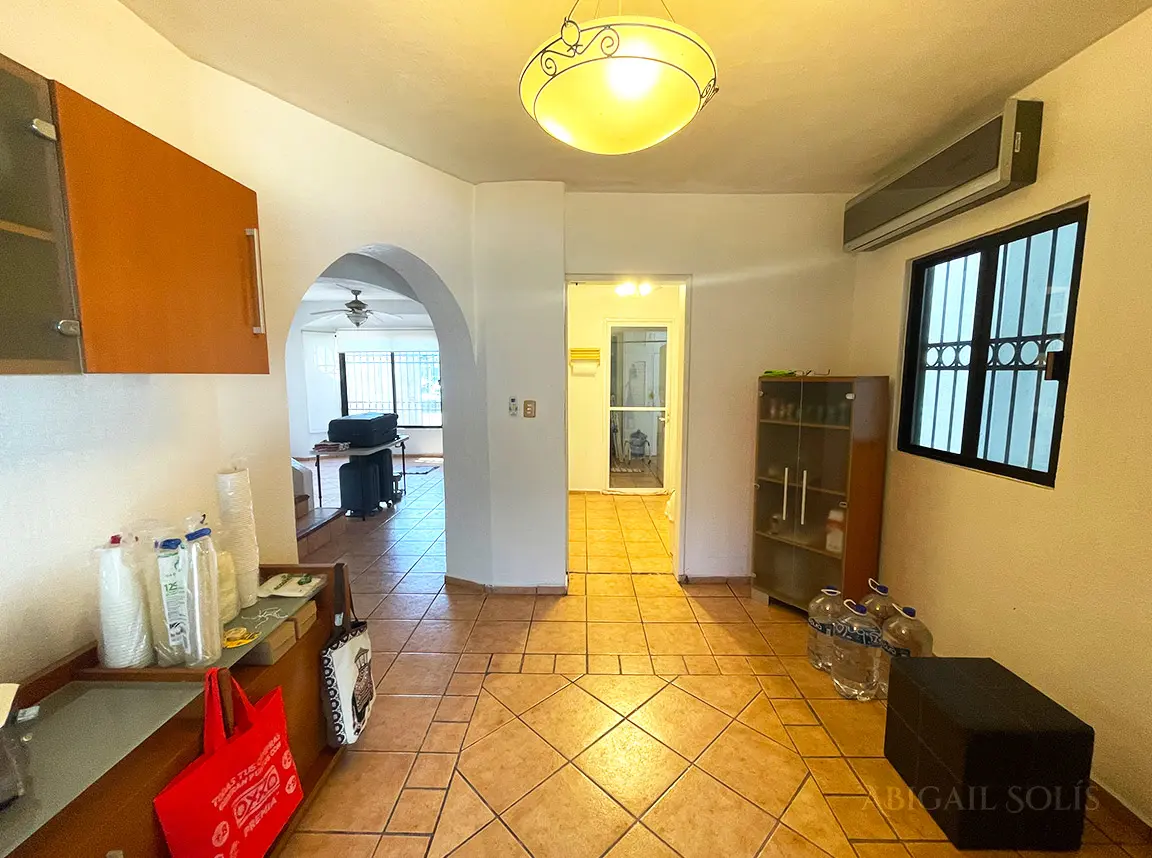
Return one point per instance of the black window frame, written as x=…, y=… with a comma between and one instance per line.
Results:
x=988, y=247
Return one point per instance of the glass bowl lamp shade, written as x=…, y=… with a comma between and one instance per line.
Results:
x=616, y=85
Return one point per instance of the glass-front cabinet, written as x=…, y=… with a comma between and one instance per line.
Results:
x=821, y=445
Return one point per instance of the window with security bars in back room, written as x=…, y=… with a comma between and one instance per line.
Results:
x=407, y=383
x=989, y=345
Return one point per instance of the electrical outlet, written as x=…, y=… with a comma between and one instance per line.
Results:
x=529, y=408
x=513, y=407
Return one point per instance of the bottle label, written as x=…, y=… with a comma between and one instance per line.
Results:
x=823, y=628
x=174, y=598
x=895, y=651
x=862, y=636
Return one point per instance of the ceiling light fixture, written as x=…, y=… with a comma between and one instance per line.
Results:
x=624, y=290
x=618, y=84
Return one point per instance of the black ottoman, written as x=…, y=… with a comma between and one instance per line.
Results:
x=996, y=763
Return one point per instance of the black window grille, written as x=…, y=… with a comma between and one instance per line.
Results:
x=988, y=348
x=406, y=383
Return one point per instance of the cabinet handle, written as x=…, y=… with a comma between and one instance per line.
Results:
x=804, y=498
x=44, y=128
x=785, y=516
x=68, y=327
x=258, y=270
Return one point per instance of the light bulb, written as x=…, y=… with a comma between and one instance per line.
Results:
x=626, y=289
x=645, y=288
x=632, y=78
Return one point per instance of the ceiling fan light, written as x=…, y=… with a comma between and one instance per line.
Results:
x=619, y=84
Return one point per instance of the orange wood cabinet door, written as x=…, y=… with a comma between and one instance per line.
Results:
x=166, y=272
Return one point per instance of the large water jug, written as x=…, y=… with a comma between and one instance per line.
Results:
x=879, y=603
x=856, y=654
x=823, y=612
x=903, y=636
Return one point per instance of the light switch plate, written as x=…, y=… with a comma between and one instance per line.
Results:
x=529, y=407
x=513, y=407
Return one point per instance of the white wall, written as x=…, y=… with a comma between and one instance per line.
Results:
x=769, y=288
x=519, y=253
x=591, y=309
x=81, y=456
x=1053, y=583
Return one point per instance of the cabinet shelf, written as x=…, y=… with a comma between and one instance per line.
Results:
x=795, y=484
x=806, y=425
x=795, y=543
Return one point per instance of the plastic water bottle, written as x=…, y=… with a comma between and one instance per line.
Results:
x=880, y=606
x=856, y=654
x=205, y=631
x=903, y=636
x=823, y=612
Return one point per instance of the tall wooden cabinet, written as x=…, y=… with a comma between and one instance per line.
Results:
x=118, y=252
x=821, y=446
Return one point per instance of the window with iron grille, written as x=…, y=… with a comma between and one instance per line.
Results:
x=406, y=383
x=988, y=348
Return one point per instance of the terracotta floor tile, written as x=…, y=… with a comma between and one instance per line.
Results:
x=729, y=694
x=404, y=606
x=494, y=841
x=609, y=585
x=576, y=585
x=420, y=582
x=763, y=771
x=330, y=846
x=813, y=683
x=635, y=665
x=538, y=663
x=639, y=842
x=625, y=694
x=675, y=639
x=613, y=609
x=777, y=687
x=701, y=665
x=439, y=636
x=735, y=639
x=401, y=846
x=567, y=816
x=656, y=585
x=608, y=563
x=432, y=771
x=774, y=613
x=859, y=817
x=766, y=665
x=571, y=720
x=571, y=664
x=617, y=639
x=643, y=549
x=381, y=662
x=881, y=850
x=652, y=564
x=719, y=610
x=795, y=712
x=473, y=662
x=489, y=715
x=761, y=717
x=680, y=721
x=398, y=723
x=381, y=580
x=896, y=801
x=416, y=811
x=505, y=662
x=786, y=843
x=454, y=607
x=505, y=765
x=813, y=742
x=786, y=638
x=418, y=673
x=603, y=664
x=732, y=827
x=444, y=738
x=455, y=709
x=665, y=609
x=668, y=665
x=465, y=684
x=580, y=565
x=557, y=638
x=706, y=591
x=463, y=815
x=359, y=794
x=562, y=609
x=520, y=692
x=499, y=607
x=497, y=637
x=734, y=665
x=390, y=635
x=834, y=776
x=857, y=727
x=810, y=816
x=631, y=766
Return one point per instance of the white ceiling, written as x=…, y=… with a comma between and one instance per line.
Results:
x=815, y=95
x=328, y=292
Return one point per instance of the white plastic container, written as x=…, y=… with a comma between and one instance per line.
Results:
x=856, y=654
x=205, y=636
x=172, y=573
x=823, y=612
x=834, y=532
x=904, y=636
x=125, y=634
x=879, y=603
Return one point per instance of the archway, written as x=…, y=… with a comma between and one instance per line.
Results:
x=466, y=480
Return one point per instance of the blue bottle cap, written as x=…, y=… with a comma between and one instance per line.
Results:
x=877, y=587
x=170, y=544
x=197, y=534
x=909, y=612
x=860, y=609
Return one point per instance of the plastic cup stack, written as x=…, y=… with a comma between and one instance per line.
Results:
x=125, y=633
x=234, y=491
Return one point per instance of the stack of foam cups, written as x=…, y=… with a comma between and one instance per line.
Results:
x=125, y=634
x=239, y=532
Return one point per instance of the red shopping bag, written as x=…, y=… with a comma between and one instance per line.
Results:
x=238, y=796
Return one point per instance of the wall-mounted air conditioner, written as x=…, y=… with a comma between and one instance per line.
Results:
x=995, y=159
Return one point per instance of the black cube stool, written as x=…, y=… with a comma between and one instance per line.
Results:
x=996, y=763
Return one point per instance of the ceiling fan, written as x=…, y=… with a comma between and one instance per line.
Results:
x=356, y=311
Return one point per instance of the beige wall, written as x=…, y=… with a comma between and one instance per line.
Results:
x=1054, y=583
x=591, y=309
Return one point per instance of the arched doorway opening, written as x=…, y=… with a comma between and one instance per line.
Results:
x=389, y=270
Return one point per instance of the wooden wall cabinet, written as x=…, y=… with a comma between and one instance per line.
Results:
x=821, y=447
x=153, y=252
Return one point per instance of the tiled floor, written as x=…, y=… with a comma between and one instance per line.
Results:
x=634, y=717
x=618, y=533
